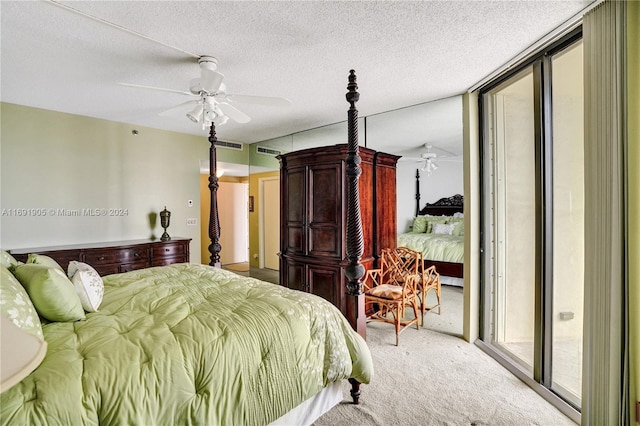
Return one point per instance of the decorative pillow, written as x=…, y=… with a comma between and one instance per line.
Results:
x=51, y=292
x=88, y=285
x=433, y=220
x=7, y=260
x=41, y=259
x=16, y=305
x=458, y=214
x=458, y=229
x=419, y=224
x=443, y=228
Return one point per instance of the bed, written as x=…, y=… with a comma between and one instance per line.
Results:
x=187, y=343
x=438, y=233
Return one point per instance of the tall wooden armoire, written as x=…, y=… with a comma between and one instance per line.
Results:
x=313, y=209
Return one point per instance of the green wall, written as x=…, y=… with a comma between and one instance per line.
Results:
x=51, y=161
x=633, y=71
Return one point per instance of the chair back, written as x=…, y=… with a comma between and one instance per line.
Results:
x=397, y=263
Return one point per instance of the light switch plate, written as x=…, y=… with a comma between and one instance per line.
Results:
x=192, y=221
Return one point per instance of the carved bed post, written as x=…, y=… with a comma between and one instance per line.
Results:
x=354, y=271
x=214, y=222
x=417, y=192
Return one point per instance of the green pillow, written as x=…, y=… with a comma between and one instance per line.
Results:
x=51, y=292
x=419, y=224
x=16, y=305
x=7, y=260
x=458, y=229
x=41, y=259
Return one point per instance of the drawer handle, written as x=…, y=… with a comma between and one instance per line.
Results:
x=101, y=258
x=136, y=254
x=167, y=249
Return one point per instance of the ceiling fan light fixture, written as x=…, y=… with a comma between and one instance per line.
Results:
x=196, y=114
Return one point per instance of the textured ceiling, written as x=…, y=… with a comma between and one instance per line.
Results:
x=404, y=53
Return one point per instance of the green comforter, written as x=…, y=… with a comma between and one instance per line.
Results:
x=439, y=247
x=188, y=344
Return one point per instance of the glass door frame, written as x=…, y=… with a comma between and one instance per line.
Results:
x=541, y=381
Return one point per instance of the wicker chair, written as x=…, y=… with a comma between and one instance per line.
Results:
x=393, y=287
x=429, y=281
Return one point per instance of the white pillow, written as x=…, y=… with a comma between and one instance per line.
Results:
x=443, y=228
x=88, y=285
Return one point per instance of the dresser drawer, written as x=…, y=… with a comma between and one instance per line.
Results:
x=107, y=269
x=104, y=257
x=126, y=267
x=163, y=261
x=168, y=250
x=133, y=255
x=118, y=255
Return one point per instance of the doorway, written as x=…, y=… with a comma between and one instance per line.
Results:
x=233, y=214
x=269, y=223
x=533, y=214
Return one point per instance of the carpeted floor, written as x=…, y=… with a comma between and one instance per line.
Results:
x=436, y=378
x=237, y=267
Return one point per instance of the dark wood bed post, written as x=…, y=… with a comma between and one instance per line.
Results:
x=214, y=221
x=417, y=192
x=354, y=271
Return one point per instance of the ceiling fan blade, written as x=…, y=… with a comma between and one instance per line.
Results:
x=211, y=80
x=258, y=100
x=157, y=88
x=178, y=110
x=234, y=113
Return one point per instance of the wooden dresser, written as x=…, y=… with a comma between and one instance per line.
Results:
x=313, y=210
x=115, y=256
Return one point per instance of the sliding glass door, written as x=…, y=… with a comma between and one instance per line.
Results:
x=533, y=197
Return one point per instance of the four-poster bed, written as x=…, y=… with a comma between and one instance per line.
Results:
x=189, y=343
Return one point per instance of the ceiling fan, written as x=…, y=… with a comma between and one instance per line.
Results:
x=429, y=159
x=211, y=102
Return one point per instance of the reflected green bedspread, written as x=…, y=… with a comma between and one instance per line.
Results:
x=439, y=247
x=188, y=344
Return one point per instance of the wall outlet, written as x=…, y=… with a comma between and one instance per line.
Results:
x=192, y=221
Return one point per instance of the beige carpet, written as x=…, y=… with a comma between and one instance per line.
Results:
x=436, y=378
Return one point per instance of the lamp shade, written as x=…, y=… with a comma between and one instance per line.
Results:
x=20, y=353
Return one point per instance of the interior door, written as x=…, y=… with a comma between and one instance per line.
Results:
x=271, y=229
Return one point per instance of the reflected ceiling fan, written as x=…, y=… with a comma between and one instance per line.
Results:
x=211, y=102
x=430, y=159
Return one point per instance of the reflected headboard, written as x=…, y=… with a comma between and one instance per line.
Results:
x=446, y=206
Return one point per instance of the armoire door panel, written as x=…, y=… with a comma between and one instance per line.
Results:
x=294, y=276
x=295, y=240
x=295, y=196
x=325, y=189
x=322, y=282
x=325, y=241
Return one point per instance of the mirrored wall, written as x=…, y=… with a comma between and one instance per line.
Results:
x=411, y=132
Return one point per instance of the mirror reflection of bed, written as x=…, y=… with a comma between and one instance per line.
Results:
x=437, y=231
